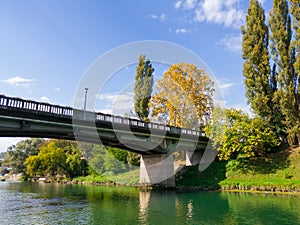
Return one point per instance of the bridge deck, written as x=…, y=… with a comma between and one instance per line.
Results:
x=26, y=118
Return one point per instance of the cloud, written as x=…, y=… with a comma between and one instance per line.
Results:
x=178, y=4
x=6, y=142
x=187, y=4
x=182, y=31
x=115, y=103
x=232, y=43
x=222, y=12
x=161, y=17
x=226, y=12
x=223, y=85
x=19, y=82
x=44, y=99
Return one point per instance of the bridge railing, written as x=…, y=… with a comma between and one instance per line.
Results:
x=18, y=103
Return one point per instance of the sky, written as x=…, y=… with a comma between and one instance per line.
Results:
x=47, y=46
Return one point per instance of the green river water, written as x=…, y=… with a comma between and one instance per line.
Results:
x=33, y=203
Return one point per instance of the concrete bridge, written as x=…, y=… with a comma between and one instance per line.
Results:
x=155, y=142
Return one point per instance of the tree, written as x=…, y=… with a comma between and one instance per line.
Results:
x=143, y=87
x=260, y=85
x=284, y=55
x=57, y=157
x=233, y=133
x=184, y=94
x=17, y=154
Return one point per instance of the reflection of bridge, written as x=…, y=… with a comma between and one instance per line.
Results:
x=155, y=142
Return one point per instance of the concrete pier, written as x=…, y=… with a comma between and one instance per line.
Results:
x=157, y=169
x=193, y=157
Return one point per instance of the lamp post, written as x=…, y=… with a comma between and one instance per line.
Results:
x=85, y=98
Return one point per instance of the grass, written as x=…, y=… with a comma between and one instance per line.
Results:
x=278, y=171
x=127, y=178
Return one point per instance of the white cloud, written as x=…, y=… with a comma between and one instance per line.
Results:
x=178, y=4
x=182, y=31
x=232, y=43
x=57, y=89
x=5, y=142
x=19, y=82
x=223, y=12
x=161, y=17
x=223, y=84
x=115, y=103
x=226, y=12
x=185, y=4
x=44, y=99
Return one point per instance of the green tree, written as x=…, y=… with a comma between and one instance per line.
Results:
x=143, y=87
x=17, y=154
x=57, y=157
x=260, y=83
x=284, y=56
x=233, y=133
x=184, y=94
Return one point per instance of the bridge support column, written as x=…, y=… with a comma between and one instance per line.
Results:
x=157, y=169
x=193, y=157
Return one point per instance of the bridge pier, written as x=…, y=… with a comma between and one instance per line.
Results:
x=193, y=158
x=157, y=169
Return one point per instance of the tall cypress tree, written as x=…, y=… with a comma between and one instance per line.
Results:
x=260, y=85
x=143, y=87
x=284, y=57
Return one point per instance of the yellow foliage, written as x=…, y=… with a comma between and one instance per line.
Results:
x=185, y=94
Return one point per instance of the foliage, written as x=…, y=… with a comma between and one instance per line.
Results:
x=274, y=93
x=184, y=94
x=284, y=55
x=143, y=87
x=276, y=171
x=234, y=133
x=260, y=83
x=111, y=160
x=57, y=157
x=17, y=154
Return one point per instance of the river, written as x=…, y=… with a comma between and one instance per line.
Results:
x=40, y=203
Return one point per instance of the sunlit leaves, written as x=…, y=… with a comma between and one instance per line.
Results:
x=184, y=94
x=234, y=133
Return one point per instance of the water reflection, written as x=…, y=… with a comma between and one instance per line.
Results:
x=26, y=203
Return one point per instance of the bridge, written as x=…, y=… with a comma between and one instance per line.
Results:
x=153, y=141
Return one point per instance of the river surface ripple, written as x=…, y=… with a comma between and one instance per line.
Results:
x=39, y=203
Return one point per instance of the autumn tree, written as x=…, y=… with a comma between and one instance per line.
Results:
x=143, y=87
x=284, y=55
x=184, y=94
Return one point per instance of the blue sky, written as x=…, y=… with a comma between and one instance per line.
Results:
x=46, y=46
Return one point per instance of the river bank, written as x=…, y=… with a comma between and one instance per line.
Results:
x=277, y=172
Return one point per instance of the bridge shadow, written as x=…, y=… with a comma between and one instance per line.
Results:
x=209, y=179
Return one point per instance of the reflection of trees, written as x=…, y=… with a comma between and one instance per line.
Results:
x=263, y=209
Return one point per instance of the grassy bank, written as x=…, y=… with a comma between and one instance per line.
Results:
x=277, y=172
x=130, y=178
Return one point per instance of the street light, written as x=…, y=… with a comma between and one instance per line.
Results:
x=85, y=97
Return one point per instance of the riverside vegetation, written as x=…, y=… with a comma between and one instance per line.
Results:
x=257, y=152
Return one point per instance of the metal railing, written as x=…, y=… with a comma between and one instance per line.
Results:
x=67, y=111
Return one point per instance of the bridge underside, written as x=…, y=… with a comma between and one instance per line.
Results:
x=155, y=147
x=144, y=143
